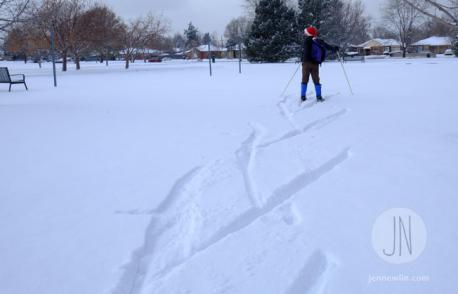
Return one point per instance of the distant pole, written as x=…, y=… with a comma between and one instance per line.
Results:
x=240, y=58
x=210, y=57
x=53, y=55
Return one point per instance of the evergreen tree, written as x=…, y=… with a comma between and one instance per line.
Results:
x=206, y=39
x=339, y=22
x=192, y=36
x=325, y=15
x=272, y=33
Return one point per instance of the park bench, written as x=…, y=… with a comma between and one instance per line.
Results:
x=6, y=78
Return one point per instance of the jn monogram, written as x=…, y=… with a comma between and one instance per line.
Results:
x=402, y=237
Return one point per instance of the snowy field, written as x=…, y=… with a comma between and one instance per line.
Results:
x=161, y=179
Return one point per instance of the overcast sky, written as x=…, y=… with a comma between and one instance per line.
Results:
x=207, y=15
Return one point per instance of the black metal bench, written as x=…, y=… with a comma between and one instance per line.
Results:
x=5, y=78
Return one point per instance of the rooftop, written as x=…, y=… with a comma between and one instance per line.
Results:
x=380, y=42
x=434, y=41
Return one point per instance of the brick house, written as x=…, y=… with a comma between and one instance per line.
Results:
x=436, y=45
x=379, y=47
x=202, y=52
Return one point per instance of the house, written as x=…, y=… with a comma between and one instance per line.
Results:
x=233, y=52
x=379, y=47
x=202, y=52
x=436, y=45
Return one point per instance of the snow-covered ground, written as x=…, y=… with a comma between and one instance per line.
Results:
x=161, y=179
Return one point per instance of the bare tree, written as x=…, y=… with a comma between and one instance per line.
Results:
x=354, y=26
x=133, y=38
x=104, y=29
x=381, y=31
x=11, y=12
x=433, y=27
x=79, y=28
x=455, y=47
x=179, y=41
x=158, y=26
x=141, y=32
x=25, y=40
x=165, y=43
x=16, y=42
x=236, y=30
x=96, y=28
x=216, y=39
x=403, y=19
x=63, y=17
x=445, y=11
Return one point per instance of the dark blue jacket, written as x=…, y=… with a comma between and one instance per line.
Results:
x=307, y=49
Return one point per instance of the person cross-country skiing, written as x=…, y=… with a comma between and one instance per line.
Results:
x=313, y=54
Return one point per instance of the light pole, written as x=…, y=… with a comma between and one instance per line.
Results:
x=210, y=56
x=240, y=58
x=53, y=55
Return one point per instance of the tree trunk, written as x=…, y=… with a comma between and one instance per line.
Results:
x=127, y=61
x=64, y=60
x=77, y=62
x=107, y=54
x=404, y=52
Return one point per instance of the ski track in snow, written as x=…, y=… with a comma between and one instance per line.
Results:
x=314, y=275
x=317, y=124
x=179, y=214
x=286, y=113
x=136, y=212
x=290, y=214
x=246, y=156
x=279, y=197
x=178, y=188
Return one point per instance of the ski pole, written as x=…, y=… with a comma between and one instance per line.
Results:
x=289, y=83
x=345, y=73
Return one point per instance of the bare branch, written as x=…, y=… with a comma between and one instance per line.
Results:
x=11, y=12
x=449, y=11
